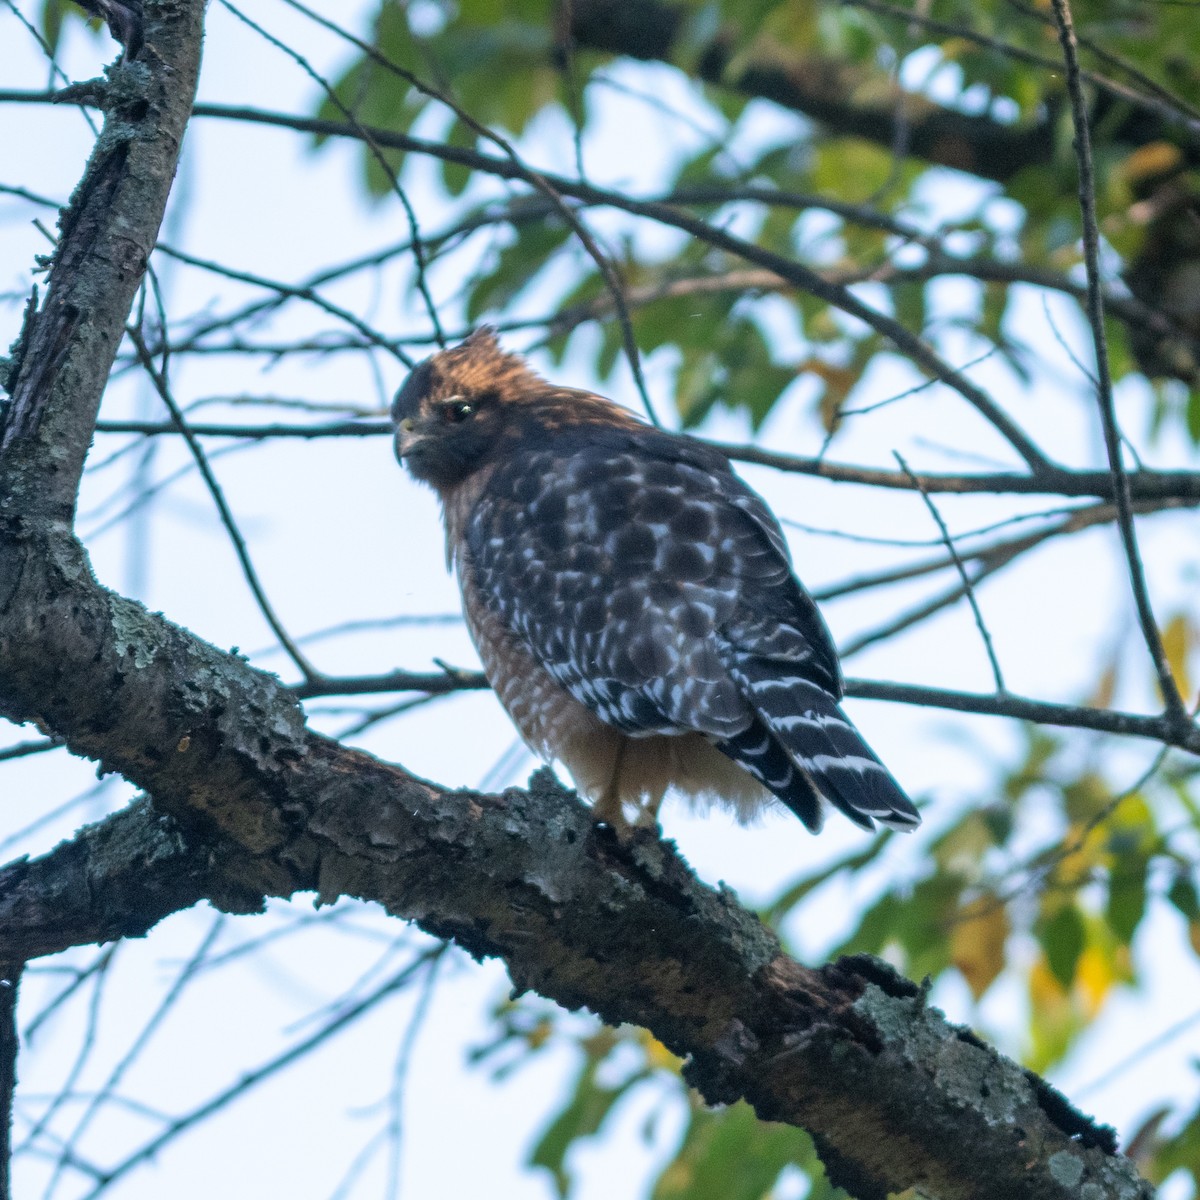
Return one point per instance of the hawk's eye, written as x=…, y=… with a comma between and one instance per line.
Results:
x=454, y=412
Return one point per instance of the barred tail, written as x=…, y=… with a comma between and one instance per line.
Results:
x=765, y=759
x=805, y=731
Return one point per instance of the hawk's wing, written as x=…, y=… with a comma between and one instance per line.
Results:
x=656, y=588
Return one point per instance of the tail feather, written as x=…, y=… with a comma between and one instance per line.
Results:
x=758, y=751
x=809, y=729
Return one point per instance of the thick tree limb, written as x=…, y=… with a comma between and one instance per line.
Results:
x=62, y=361
x=260, y=806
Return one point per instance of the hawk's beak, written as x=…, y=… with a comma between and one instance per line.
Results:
x=406, y=437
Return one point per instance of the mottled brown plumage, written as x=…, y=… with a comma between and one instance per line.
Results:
x=632, y=600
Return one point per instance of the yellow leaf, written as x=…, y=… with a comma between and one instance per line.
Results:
x=978, y=940
x=540, y=1034
x=1088, y=846
x=1154, y=158
x=1194, y=935
x=1044, y=989
x=1106, y=687
x=838, y=384
x=657, y=1055
x=1095, y=975
x=1177, y=642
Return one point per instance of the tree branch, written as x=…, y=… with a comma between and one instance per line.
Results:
x=846, y=98
x=1176, y=707
x=61, y=364
x=261, y=806
x=249, y=803
x=796, y=273
x=10, y=1041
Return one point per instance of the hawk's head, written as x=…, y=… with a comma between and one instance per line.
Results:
x=462, y=407
x=453, y=408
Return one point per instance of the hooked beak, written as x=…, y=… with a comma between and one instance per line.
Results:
x=406, y=437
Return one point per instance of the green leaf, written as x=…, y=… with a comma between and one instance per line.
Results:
x=1062, y=936
x=456, y=176
x=729, y=1154
x=1193, y=416
x=803, y=887
x=1183, y=895
x=586, y=1110
x=1127, y=896
x=515, y=267
x=1179, y=1153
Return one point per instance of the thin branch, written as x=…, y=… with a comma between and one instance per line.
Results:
x=1040, y=712
x=1137, y=1057
x=327, y=429
x=1045, y=712
x=1181, y=487
x=914, y=616
x=431, y=683
x=796, y=273
x=24, y=749
x=1168, y=107
x=106, y=1091
x=286, y=291
x=534, y=178
x=226, y=513
x=251, y=1079
x=414, y=229
x=980, y=624
x=98, y=964
x=87, y=1045
x=995, y=554
x=1106, y=55
x=1176, y=707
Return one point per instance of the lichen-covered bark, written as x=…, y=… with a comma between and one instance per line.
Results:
x=894, y=1094
x=256, y=805
x=10, y=980
x=247, y=802
x=106, y=233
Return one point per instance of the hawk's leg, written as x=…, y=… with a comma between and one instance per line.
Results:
x=607, y=806
x=647, y=817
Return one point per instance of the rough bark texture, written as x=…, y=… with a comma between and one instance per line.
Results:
x=249, y=803
x=61, y=363
x=257, y=805
x=10, y=982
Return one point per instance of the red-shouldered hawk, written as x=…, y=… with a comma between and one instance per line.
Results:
x=633, y=600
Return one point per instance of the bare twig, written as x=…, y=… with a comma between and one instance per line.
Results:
x=1175, y=705
x=226, y=513
x=799, y=275
x=418, y=248
x=969, y=590
x=304, y=292
x=536, y=179
x=24, y=749
x=106, y=1091
x=273, y=1066
x=1162, y=104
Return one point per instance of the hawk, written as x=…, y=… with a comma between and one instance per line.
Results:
x=632, y=600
